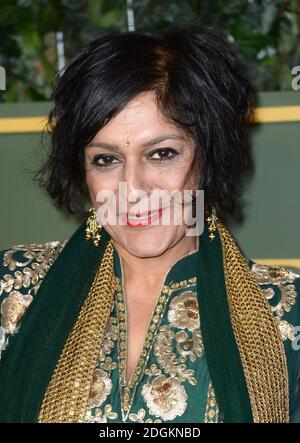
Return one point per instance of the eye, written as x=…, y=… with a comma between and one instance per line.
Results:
x=104, y=160
x=163, y=154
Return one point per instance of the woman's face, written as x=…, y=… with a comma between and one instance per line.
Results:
x=142, y=150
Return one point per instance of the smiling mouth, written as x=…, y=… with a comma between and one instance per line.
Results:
x=144, y=218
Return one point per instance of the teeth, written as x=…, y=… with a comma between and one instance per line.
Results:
x=143, y=217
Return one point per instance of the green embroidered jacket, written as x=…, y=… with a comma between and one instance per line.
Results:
x=171, y=381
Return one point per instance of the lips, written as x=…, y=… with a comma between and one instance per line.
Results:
x=144, y=214
x=144, y=218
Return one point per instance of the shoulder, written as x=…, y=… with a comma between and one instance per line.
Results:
x=281, y=287
x=22, y=269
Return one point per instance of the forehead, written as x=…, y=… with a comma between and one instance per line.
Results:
x=140, y=117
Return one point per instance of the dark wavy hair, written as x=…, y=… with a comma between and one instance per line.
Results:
x=200, y=85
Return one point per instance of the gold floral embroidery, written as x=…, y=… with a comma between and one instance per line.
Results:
x=153, y=370
x=140, y=416
x=100, y=388
x=283, y=279
x=183, y=312
x=189, y=348
x=12, y=310
x=110, y=337
x=108, y=365
x=102, y=384
x=275, y=275
x=188, y=343
x=101, y=417
x=39, y=258
x=286, y=329
x=165, y=397
x=168, y=360
x=212, y=410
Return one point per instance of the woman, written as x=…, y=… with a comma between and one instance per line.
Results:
x=133, y=319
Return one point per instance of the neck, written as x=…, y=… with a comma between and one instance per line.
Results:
x=152, y=269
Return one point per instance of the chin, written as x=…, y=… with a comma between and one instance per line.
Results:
x=149, y=242
x=147, y=247
x=145, y=243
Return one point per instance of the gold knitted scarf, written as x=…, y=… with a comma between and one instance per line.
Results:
x=257, y=336
x=255, y=330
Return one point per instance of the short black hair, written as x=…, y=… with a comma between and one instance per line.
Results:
x=200, y=85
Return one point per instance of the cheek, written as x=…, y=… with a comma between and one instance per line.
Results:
x=95, y=185
x=171, y=178
x=97, y=182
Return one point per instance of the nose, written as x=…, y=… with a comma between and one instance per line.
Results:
x=137, y=184
x=135, y=177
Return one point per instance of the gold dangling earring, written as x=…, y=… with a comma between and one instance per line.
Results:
x=212, y=220
x=93, y=228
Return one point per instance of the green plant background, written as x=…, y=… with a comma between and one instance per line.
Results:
x=266, y=34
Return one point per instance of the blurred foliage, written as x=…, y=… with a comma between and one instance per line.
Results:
x=265, y=33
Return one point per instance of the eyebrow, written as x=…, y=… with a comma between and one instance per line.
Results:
x=153, y=141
